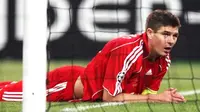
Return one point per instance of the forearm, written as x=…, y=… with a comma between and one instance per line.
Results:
x=167, y=96
x=124, y=97
x=141, y=98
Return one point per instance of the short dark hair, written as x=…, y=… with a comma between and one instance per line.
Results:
x=159, y=18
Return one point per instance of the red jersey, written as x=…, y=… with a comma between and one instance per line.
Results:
x=121, y=67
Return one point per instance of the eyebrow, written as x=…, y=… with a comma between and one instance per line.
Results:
x=176, y=33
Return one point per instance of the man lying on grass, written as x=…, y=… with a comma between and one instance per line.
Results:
x=128, y=68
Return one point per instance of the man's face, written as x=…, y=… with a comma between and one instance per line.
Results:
x=162, y=41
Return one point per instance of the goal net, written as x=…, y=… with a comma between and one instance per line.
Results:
x=78, y=30
x=91, y=23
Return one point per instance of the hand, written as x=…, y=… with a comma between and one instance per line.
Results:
x=171, y=95
x=176, y=96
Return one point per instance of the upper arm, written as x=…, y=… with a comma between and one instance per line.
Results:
x=121, y=65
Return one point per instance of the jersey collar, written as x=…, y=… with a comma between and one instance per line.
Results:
x=145, y=45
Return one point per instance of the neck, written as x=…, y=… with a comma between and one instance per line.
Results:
x=152, y=57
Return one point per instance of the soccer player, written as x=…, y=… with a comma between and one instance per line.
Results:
x=128, y=68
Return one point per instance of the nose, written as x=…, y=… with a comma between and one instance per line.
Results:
x=171, y=40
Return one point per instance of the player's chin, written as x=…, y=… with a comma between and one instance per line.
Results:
x=164, y=53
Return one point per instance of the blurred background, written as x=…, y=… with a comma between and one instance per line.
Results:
x=78, y=29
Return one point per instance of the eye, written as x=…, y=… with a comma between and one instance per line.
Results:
x=175, y=35
x=166, y=34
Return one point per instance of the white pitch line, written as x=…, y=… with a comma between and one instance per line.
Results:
x=105, y=104
x=188, y=93
x=83, y=108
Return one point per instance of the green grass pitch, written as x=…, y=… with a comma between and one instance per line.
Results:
x=183, y=75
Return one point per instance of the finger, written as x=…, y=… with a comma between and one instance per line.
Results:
x=173, y=91
x=177, y=95
x=180, y=97
x=177, y=100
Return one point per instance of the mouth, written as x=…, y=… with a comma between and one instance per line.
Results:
x=167, y=49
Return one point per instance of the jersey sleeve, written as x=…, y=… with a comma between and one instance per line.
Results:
x=112, y=83
x=121, y=63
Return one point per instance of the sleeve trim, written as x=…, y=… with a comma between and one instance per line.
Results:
x=149, y=91
x=108, y=91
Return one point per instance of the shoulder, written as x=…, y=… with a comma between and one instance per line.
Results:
x=127, y=38
x=124, y=42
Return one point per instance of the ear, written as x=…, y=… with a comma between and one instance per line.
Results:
x=150, y=33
